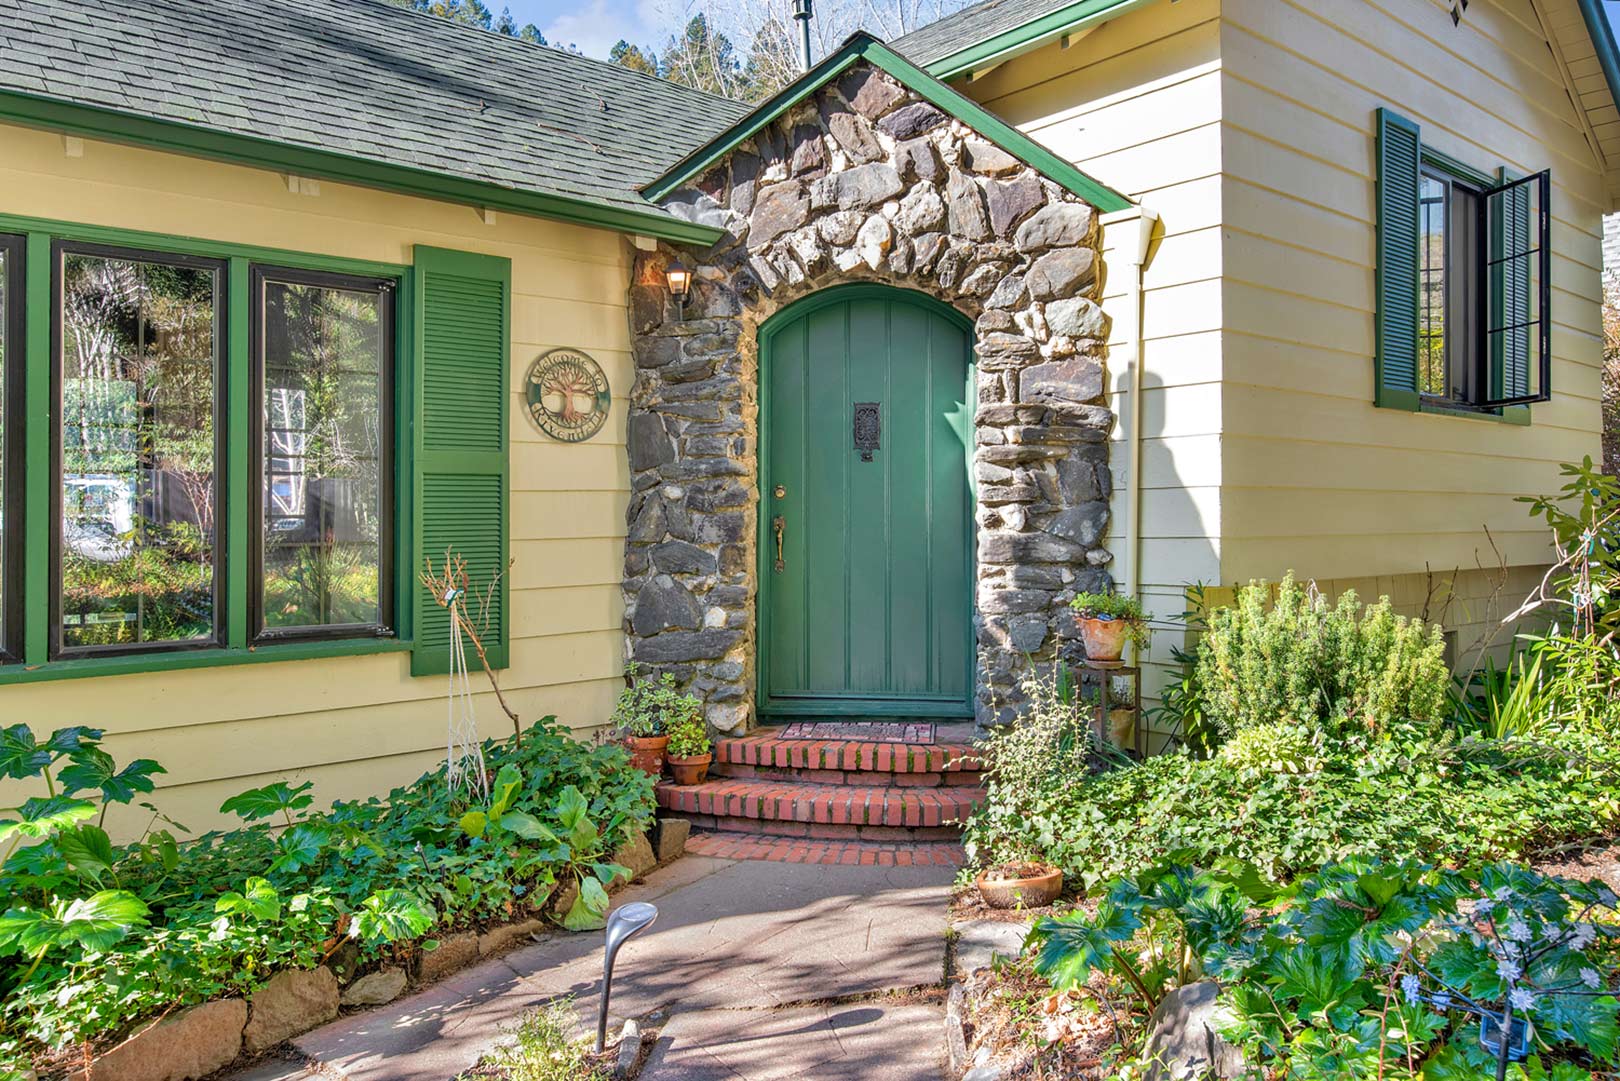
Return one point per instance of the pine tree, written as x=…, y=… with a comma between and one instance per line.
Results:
x=634, y=57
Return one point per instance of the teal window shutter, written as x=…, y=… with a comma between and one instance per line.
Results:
x=1396, y=359
x=463, y=345
x=1510, y=377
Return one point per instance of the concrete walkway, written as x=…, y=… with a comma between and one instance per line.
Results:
x=735, y=942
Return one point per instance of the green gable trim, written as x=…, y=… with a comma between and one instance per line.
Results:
x=1031, y=35
x=862, y=46
x=1597, y=25
x=156, y=134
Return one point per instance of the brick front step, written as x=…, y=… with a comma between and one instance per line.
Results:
x=764, y=752
x=849, y=811
x=744, y=846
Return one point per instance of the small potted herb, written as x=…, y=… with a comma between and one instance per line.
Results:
x=644, y=713
x=1107, y=622
x=1019, y=883
x=689, y=750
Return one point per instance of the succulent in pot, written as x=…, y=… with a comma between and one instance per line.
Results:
x=644, y=713
x=1107, y=621
x=689, y=751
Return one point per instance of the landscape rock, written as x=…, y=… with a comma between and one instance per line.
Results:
x=956, y=1053
x=374, y=988
x=1182, y=1041
x=980, y=942
x=294, y=1001
x=624, y=1064
x=193, y=1043
x=672, y=836
x=455, y=951
x=636, y=853
x=499, y=938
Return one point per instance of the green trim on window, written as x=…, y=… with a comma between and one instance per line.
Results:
x=1513, y=414
x=1437, y=159
x=36, y=474
x=242, y=495
x=84, y=667
x=168, y=135
x=863, y=46
x=1030, y=36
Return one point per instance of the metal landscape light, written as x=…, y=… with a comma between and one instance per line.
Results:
x=679, y=280
x=626, y=921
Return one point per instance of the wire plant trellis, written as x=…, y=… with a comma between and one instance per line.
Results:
x=452, y=589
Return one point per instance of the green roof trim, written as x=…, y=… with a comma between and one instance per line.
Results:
x=1597, y=25
x=862, y=46
x=115, y=126
x=1029, y=36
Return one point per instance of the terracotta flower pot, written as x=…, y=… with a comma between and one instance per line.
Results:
x=1033, y=891
x=1104, y=638
x=1122, y=728
x=647, y=753
x=691, y=769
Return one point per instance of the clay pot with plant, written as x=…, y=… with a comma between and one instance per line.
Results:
x=1108, y=621
x=645, y=711
x=689, y=751
x=1019, y=883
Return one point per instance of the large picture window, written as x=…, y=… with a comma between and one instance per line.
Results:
x=137, y=382
x=11, y=362
x=323, y=375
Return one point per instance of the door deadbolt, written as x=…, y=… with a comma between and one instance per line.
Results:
x=781, y=491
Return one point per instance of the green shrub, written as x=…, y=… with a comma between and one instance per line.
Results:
x=543, y=1048
x=1363, y=969
x=96, y=937
x=649, y=707
x=688, y=737
x=1288, y=655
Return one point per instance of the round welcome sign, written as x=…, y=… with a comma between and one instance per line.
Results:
x=568, y=395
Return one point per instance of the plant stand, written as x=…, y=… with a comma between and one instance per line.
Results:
x=1103, y=673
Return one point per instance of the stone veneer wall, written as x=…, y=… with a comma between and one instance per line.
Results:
x=867, y=182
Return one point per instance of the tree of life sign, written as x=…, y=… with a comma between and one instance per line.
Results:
x=568, y=395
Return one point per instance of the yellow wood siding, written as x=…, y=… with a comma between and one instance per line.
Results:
x=361, y=725
x=1247, y=125
x=1314, y=477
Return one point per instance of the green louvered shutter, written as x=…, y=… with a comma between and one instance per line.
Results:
x=1399, y=152
x=463, y=334
x=1511, y=349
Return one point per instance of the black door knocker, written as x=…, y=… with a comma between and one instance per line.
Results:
x=868, y=429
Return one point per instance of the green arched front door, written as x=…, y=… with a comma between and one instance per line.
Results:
x=866, y=511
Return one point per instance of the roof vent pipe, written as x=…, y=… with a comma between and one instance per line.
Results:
x=802, y=14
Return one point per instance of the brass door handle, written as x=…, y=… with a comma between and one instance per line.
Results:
x=779, y=527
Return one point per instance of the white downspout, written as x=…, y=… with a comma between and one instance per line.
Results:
x=1134, y=247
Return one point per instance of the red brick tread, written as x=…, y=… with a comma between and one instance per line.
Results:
x=765, y=748
x=834, y=805
x=743, y=846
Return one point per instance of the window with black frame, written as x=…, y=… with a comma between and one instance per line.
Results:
x=137, y=344
x=323, y=387
x=11, y=519
x=1463, y=280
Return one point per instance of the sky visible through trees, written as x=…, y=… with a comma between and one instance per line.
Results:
x=743, y=49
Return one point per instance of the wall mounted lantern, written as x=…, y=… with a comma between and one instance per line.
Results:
x=680, y=282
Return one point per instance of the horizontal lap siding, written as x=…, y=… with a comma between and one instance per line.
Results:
x=1314, y=478
x=360, y=725
x=1137, y=104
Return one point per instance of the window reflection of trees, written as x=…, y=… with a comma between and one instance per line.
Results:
x=138, y=469
x=323, y=529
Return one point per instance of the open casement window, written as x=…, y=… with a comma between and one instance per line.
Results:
x=1462, y=280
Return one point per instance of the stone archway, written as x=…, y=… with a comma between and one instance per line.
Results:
x=864, y=181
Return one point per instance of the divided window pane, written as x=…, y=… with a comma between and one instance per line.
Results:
x=137, y=356
x=324, y=368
